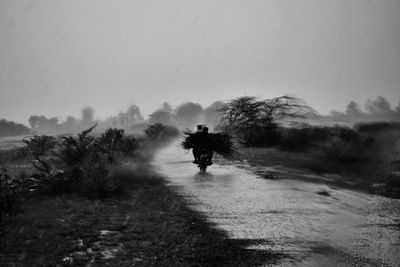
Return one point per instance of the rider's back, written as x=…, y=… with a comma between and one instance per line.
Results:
x=204, y=140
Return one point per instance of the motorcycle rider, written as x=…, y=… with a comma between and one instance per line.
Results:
x=195, y=149
x=203, y=141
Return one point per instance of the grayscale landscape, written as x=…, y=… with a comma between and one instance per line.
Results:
x=199, y=133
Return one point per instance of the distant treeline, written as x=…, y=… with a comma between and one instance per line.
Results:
x=10, y=128
x=378, y=109
x=124, y=120
x=42, y=124
x=185, y=115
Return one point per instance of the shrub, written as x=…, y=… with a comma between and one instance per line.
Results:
x=13, y=193
x=337, y=142
x=161, y=132
x=80, y=164
x=114, y=141
x=295, y=139
x=335, y=148
x=84, y=165
x=38, y=148
x=305, y=137
x=344, y=145
x=262, y=135
x=88, y=161
x=375, y=127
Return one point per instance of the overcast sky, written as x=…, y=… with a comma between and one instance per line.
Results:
x=59, y=56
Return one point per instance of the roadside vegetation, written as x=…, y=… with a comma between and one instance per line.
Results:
x=366, y=155
x=82, y=167
x=93, y=199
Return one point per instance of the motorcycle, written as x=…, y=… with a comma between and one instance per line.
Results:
x=203, y=160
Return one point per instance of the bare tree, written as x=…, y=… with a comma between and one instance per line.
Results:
x=255, y=121
x=246, y=111
x=286, y=107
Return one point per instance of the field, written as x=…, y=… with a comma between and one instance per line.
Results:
x=148, y=224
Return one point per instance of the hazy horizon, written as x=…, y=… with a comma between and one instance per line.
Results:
x=58, y=57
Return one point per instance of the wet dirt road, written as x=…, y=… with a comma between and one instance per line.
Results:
x=312, y=223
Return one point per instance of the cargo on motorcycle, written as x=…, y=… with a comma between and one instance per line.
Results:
x=204, y=144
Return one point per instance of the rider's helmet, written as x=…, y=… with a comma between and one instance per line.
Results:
x=199, y=127
x=205, y=130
